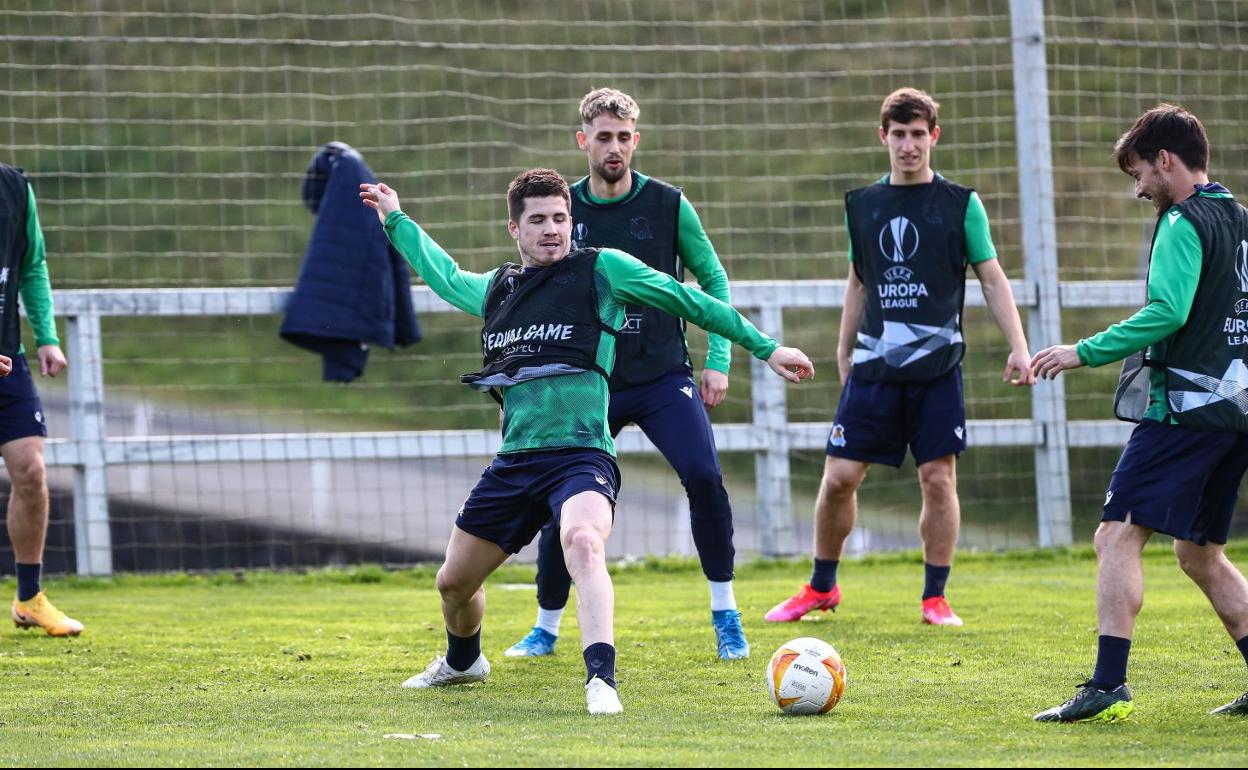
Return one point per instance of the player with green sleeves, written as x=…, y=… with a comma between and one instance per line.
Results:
x=1186, y=383
x=24, y=274
x=652, y=385
x=912, y=235
x=549, y=339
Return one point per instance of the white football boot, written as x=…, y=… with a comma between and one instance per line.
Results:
x=440, y=674
x=602, y=698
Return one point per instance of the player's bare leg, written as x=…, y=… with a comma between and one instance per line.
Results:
x=939, y=521
x=585, y=524
x=836, y=511
x=461, y=580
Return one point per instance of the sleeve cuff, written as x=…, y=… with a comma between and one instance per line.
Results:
x=393, y=219
x=1081, y=350
x=41, y=341
x=716, y=366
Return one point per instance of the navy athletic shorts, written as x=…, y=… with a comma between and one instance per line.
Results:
x=518, y=493
x=1178, y=481
x=21, y=411
x=876, y=421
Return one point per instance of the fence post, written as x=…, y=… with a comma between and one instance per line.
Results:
x=771, y=465
x=1039, y=232
x=93, y=541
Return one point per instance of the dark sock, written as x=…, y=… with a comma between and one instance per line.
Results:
x=462, y=651
x=823, y=578
x=1242, y=644
x=934, y=580
x=28, y=577
x=600, y=662
x=1111, y=662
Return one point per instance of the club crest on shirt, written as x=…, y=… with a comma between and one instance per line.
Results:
x=838, y=435
x=640, y=228
x=580, y=235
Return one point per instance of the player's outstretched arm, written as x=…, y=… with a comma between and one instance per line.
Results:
x=380, y=198
x=463, y=289
x=633, y=281
x=791, y=364
x=1050, y=362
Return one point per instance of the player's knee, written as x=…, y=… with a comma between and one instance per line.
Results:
x=705, y=487
x=1194, y=560
x=452, y=587
x=28, y=475
x=938, y=481
x=582, y=546
x=840, y=484
x=1106, y=538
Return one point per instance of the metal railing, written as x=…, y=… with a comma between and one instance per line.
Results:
x=769, y=435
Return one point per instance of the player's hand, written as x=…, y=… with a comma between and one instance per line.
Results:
x=714, y=386
x=791, y=364
x=1018, y=369
x=51, y=360
x=1050, y=362
x=844, y=365
x=6, y=366
x=380, y=198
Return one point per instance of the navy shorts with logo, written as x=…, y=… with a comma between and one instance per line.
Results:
x=876, y=421
x=21, y=411
x=519, y=492
x=1178, y=481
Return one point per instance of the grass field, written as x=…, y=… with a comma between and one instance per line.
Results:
x=303, y=669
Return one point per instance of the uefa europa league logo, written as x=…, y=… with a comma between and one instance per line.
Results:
x=899, y=239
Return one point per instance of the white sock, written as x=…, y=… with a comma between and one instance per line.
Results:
x=722, y=597
x=548, y=620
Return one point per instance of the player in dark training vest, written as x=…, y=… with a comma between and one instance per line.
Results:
x=548, y=341
x=911, y=236
x=24, y=275
x=652, y=383
x=1185, y=382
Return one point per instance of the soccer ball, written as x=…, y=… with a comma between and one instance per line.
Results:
x=805, y=676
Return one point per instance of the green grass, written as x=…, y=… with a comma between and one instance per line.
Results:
x=303, y=669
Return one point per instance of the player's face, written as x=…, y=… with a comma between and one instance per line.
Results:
x=910, y=145
x=609, y=142
x=543, y=232
x=1151, y=181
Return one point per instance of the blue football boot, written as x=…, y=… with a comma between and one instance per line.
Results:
x=539, y=642
x=729, y=636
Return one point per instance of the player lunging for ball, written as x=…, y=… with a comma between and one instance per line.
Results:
x=549, y=345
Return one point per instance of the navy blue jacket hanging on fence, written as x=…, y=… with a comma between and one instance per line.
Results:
x=354, y=289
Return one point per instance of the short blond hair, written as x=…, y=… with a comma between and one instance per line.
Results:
x=608, y=100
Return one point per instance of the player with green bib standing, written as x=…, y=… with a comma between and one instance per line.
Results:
x=912, y=235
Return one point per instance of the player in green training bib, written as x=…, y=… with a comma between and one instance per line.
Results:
x=550, y=325
x=1187, y=351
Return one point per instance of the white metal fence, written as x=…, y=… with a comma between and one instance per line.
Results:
x=770, y=435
